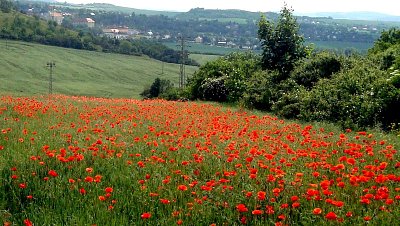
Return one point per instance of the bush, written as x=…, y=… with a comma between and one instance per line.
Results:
x=156, y=89
x=322, y=65
x=214, y=89
x=289, y=103
x=233, y=70
x=260, y=91
x=359, y=98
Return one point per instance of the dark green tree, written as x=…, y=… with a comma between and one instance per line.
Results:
x=6, y=6
x=387, y=39
x=155, y=88
x=281, y=43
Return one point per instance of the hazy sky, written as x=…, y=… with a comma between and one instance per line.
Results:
x=299, y=6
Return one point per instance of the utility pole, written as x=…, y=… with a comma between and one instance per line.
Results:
x=184, y=55
x=51, y=65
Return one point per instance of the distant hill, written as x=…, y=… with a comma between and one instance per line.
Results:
x=356, y=16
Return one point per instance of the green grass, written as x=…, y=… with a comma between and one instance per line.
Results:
x=362, y=47
x=77, y=72
x=203, y=58
x=94, y=161
x=205, y=49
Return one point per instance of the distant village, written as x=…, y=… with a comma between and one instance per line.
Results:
x=123, y=32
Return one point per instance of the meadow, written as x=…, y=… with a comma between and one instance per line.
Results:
x=94, y=161
x=78, y=72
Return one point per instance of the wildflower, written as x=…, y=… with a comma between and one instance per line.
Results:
x=82, y=191
x=145, y=215
x=331, y=216
x=261, y=195
x=22, y=185
x=52, y=173
x=182, y=187
x=367, y=218
x=27, y=222
x=241, y=208
x=257, y=212
x=108, y=189
x=317, y=211
x=295, y=204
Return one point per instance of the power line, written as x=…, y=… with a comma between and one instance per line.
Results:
x=184, y=55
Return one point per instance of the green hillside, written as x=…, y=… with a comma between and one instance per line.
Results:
x=23, y=71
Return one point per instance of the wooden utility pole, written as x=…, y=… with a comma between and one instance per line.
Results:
x=51, y=66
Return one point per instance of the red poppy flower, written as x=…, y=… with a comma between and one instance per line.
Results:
x=317, y=211
x=257, y=212
x=331, y=216
x=241, y=208
x=27, y=222
x=182, y=187
x=145, y=215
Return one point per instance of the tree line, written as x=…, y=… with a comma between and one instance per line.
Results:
x=294, y=81
x=17, y=26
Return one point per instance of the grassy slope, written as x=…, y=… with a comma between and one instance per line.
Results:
x=23, y=71
x=203, y=58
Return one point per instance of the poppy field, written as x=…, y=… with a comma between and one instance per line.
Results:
x=92, y=161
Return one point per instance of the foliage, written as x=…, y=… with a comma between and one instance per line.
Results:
x=281, y=43
x=226, y=74
x=6, y=6
x=214, y=89
x=157, y=88
x=318, y=66
x=260, y=90
x=357, y=98
x=386, y=40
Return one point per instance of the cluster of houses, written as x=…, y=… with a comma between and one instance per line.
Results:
x=127, y=33
x=58, y=17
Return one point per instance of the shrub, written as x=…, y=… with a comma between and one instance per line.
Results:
x=319, y=66
x=233, y=70
x=214, y=89
x=358, y=98
x=156, y=89
x=260, y=90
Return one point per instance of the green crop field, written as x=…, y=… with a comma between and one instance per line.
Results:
x=204, y=49
x=359, y=46
x=203, y=58
x=23, y=71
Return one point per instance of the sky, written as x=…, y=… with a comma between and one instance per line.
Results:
x=299, y=6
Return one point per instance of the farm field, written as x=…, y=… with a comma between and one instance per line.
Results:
x=204, y=49
x=203, y=58
x=341, y=46
x=78, y=72
x=95, y=161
